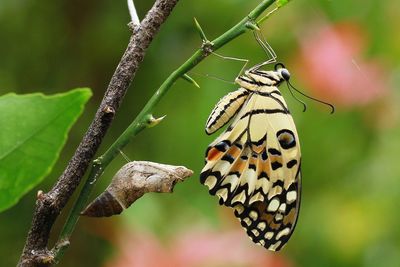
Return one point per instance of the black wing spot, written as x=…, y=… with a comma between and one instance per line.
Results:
x=238, y=145
x=252, y=166
x=264, y=155
x=279, y=183
x=234, y=173
x=291, y=163
x=228, y=158
x=244, y=157
x=274, y=151
x=263, y=175
x=276, y=165
x=286, y=138
x=222, y=146
x=260, y=142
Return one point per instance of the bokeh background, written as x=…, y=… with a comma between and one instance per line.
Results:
x=344, y=52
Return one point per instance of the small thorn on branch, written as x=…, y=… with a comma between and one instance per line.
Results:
x=200, y=30
x=108, y=110
x=131, y=182
x=190, y=80
x=151, y=122
x=40, y=195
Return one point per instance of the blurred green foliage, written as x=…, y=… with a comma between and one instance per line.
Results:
x=351, y=185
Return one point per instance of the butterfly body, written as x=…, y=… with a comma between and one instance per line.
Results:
x=254, y=165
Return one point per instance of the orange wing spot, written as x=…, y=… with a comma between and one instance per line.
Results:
x=214, y=154
x=290, y=217
x=239, y=166
x=253, y=161
x=234, y=152
x=261, y=207
x=273, y=225
x=266, y=167
x=258, y=149
x=276, y=158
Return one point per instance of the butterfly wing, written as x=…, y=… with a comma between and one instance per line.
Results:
x=254, y=167
x=225, y=109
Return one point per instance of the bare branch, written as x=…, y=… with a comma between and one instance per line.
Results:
x=49, y=205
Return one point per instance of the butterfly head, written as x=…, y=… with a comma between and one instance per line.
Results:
x=282, y=72
x=255, y=77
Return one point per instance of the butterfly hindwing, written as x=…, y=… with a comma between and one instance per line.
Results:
x=270, y=224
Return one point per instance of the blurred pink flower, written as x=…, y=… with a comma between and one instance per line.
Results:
x=331, y=66
x=194, y=249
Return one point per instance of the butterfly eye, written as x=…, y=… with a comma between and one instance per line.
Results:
x=286, y=139
x=280, y=68
x=285, y=74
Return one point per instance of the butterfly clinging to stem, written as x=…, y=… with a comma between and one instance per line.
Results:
x=254, y=166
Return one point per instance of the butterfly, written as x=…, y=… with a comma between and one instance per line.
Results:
x=254, y=166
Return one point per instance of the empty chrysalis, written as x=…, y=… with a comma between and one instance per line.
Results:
x=131, y=182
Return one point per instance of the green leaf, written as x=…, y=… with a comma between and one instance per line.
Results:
x=33, y=130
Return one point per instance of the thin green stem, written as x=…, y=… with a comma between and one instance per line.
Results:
x=145, y=119
x=63, y=242
x=279, y=4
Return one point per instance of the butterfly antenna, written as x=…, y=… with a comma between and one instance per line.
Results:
x=291, y=92
x=315, y=99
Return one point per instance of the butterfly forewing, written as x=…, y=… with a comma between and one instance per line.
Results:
x=225, y=109
x=254, y=166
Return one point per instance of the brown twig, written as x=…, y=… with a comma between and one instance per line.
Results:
x=49, y=205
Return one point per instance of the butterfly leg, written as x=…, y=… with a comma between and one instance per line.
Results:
x=246, y=61
x=264, y=45
x=267, y=49
x=261, y=40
